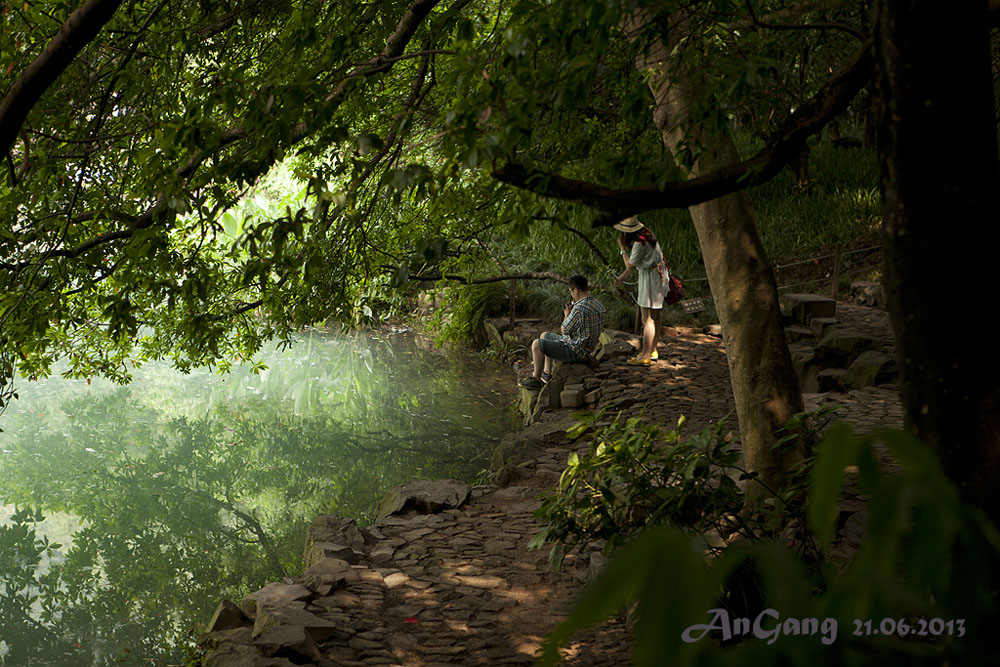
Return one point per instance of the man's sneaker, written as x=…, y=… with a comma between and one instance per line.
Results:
x=546, y=377
x=531, y=383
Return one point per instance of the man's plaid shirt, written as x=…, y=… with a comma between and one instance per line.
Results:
x=582, y=327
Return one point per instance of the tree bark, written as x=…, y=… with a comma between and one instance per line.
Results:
x=940, y=179
x=765, y=387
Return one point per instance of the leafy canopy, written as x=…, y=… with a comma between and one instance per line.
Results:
x=124, y=237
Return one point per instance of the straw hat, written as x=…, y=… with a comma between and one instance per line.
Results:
x=629, y=225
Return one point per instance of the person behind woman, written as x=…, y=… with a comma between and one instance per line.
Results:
x=641, y=251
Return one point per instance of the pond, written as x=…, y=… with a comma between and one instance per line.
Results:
x=128, y=513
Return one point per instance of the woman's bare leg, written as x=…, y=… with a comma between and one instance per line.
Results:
x=654, y=325
x=647, y=330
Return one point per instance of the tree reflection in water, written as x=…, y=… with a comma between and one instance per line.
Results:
x=188, y=489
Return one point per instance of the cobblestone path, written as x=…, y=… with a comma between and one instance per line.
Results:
x=461, y=586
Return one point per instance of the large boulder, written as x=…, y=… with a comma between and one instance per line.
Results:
x=832, y=379
x=529, y=442
x=289, y=641
x=227, y=616
x=841, y=345
x=424, y=497
x=615, y=344
x=867, y=293
x=806, y=367
x=871, y=368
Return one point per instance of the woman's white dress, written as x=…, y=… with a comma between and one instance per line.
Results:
x=653, y=275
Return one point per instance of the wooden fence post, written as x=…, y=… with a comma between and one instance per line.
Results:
x=836, y=272
x=513, y=303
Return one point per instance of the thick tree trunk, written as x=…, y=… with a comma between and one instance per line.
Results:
x=940, y=183
x=765, y=386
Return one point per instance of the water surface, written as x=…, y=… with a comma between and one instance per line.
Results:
x=127, y=513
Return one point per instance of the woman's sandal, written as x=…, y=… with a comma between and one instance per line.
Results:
x=636, y=361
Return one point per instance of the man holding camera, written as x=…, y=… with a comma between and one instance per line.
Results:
x=581, y=331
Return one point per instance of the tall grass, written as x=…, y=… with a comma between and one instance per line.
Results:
x=842, y=205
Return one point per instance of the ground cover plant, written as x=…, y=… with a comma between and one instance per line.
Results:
x=917, y=592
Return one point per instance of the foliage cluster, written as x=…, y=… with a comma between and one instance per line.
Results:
x=461, y=317
x=124, y=236
x=636, y=475
x=924, y=556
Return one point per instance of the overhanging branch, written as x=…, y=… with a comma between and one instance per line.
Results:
x=802, y=26
x=78, y=31
x=396, y=43
x=528, y=275
x=617, y=203
x=412, y=18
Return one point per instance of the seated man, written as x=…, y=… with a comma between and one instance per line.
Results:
x=581, y=333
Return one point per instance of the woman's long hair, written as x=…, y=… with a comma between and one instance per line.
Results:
x=641, y=235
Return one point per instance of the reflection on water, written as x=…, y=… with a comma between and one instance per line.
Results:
x=165, y=496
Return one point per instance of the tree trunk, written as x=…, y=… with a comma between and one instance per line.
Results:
x=940, y=180
x=765, y=387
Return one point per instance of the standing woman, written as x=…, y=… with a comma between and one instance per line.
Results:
x=641, y=251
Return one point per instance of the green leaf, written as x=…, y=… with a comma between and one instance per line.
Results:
x=465, y=30
x=837, y=450
x=664, y=571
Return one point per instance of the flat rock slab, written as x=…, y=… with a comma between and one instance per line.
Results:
x=228, y=616
x=424, y=497
x=268, y=619
x=274, y=595
x=333, y=571
x=289, y=641
x=804, y=307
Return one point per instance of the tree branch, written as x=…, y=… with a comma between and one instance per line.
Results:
x=412, y=18
x=616, y=204
x=394, y=45
x=801, y=8
x=528, y=275
x=804, y=26
x=586, y=239
x=79, y=30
